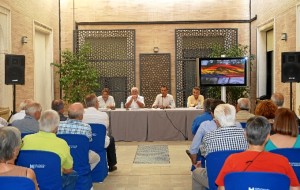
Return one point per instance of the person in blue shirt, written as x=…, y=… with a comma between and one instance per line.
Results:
x=206, y=116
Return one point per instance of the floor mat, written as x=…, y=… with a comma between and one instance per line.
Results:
x=152, y=154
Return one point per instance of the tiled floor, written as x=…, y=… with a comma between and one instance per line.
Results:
x=129, y=176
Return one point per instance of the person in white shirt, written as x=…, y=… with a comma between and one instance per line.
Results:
x=164, y=100
x=105, y=100
x=21, y=114
x=93, y=115
x=135, y=100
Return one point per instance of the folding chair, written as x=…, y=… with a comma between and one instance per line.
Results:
x=100, y=172
x=292, y=154
x=16, y=183
x=214, y=163
x=46, y=165
x=256, y=180
x=79, y=146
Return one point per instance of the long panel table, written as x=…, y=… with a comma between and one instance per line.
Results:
x=152, y=124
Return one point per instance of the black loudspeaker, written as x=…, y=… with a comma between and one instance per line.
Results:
x=290, y=67
x=14, y=69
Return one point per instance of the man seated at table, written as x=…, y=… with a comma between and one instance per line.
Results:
x=135, y=100
x=195, y=100
x=105, y=100
x=255, y=159
x=164, y=100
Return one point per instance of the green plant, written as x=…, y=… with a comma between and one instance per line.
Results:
x=77, y=76
x=232, y=92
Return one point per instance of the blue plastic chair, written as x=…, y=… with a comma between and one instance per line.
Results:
x=293, y=155
x=46, y=165
x=100, y=172
x=256, y=180
x=214, y=163
x=24, y=134
x=79, y=147
x=243, y=124
x=16, y=183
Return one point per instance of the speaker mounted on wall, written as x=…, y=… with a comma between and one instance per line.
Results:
x=14, y=69
x=290, y=67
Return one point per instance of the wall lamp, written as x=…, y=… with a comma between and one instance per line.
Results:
x=155, y=49
x=24, y=39
x=283, y=36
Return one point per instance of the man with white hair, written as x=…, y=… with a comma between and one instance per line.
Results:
x=226, y=137
x=30, y=123
x=278, y=99
x=21, y=114
x=243, y=110
x=135, y=100
x=46, y=140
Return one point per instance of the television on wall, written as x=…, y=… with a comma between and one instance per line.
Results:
x=223, y=71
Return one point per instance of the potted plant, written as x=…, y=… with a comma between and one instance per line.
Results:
x=233, y=93
x=77, y=76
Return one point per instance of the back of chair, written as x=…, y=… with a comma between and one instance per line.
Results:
x=100, y=172
x=214, y=163
x=293, y=155
x=46, y=165
x=24, y=134
x=16, y=183
x=79, y=146
x=256, y=180
x=243, y=124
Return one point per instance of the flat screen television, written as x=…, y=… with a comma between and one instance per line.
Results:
x=223, y=71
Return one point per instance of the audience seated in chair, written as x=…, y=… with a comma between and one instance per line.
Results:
x=195, y=100
x=74, y=125
x=164, y=100
x=10, y=143
x=93, y=115
x=105, y=100
x=135, y=100
x=243, y=110
x=267, y=109
x=46, y=140
x=21, y=114
x=278, y=99
x=58, y=105
x=226, y=137
x=285, y=129
x=30, y=123
x=255, y=158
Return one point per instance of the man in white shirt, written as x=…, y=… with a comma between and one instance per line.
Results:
x=21, y=114
x=164, y=100
x=93, y=115
x=105, y=100
x=135, y=100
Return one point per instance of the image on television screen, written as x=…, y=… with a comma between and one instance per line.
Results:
x=223, y=71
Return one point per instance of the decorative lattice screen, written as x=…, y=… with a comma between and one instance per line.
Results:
x=155, y=70
x=113, y=55
x=192, y=44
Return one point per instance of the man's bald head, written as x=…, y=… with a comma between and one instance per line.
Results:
x=75, y=111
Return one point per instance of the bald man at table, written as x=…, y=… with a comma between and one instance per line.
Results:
x=164, y=100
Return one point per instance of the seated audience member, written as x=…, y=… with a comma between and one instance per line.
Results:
x=196, y=99
x=46, y=140
x=267, y=109
x=105, y=100
x=21, y=114
x=58, y=105
x=3, y=122
x=10, y=143
x=226, y=137
x=243, y=110
x=205, y=127
x=93, y=115
x=74, y=125
x=135, y=100
x=164, y=100
x=278, y=99
x=286, y=131
x=206, y=116
x=257, y=134
x=30, y=123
